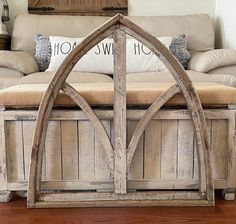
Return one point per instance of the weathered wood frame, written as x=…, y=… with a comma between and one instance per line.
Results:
x=120, y=161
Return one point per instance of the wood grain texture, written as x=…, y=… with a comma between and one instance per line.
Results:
x=79, y=7
x=192, y=101
x=86, y=150
x=136, y=170
x=102, y=171
x=141, y=126
x=47, y=102
x=98, y=126
x=185, y=149
x=224, y=212
x=15, y=151
x=3, y=153
x=70, y=150
x=120, y=129
x=53, y=151
x=169, y=150
x=121, y=26
x=152, y=159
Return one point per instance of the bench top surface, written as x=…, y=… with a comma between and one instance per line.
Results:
x=30, y=95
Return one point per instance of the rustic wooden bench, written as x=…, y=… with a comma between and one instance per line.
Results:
x=173, y=156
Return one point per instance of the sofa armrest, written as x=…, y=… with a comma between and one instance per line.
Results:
x=20, y=61
x=209, y=60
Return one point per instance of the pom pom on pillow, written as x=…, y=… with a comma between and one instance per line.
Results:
x=43, y=51
x=178, y=48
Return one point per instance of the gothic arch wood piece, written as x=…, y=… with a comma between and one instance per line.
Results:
x=118, y=26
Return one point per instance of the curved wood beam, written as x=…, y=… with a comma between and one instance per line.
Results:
x=49, y=97
x=189, y=93
x=142, y=124
x=97, y=124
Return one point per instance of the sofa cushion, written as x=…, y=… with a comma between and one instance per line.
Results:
x=20, y=61
x=198, y=28
x=225, y=70
x=30, y=95
x=80, y=77
x=225, y=79
x=9, y=77
x=209, y=60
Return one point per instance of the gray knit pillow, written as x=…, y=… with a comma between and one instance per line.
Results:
x=178, y=48
x=43, y=51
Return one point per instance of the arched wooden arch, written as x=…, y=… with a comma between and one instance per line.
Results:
x=119, y=158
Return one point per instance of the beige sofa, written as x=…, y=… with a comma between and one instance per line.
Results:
x=19, y=65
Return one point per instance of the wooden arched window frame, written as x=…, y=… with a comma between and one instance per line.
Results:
x=120, y=157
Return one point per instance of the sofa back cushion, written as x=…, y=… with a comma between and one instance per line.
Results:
x=198, y=28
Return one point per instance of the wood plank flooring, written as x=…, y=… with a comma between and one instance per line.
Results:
x=16, y=212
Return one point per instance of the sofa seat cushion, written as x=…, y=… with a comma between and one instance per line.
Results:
x=30, y=95
x=79, y=77
x=9, y=77
x=223, y=78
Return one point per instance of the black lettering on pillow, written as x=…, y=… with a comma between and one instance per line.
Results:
x=107, y=48
x=56, y=49
x=65, y=47
x=98, y=52
x=137, y=50
x=146, y=53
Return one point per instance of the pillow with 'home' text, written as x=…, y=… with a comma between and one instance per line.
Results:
x=100, y=58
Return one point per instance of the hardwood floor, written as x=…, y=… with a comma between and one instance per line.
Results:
x=16, y=212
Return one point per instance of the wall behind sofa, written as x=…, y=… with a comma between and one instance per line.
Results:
x=171, y=7
x=226, y=23
x=139, y=7
x=223, y=9
x=16, y=7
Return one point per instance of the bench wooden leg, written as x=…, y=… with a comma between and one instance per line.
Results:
x=228, y=194
x=5, y=196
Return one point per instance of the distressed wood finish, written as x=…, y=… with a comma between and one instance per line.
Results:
x=157, y=104
x=192, y=101
x=78, y=7
x=148, y=165
x=146, y=159
x=119, y=51
x=119, y=26
x=48, y=100
x=99, y=128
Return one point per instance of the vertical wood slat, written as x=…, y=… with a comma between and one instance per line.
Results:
x=185, y=149
x=218, y=145
x=169, y=149
x=136, y=169
x=102, y=171
x=152, y=153
x=3, y=151
x=119, y=52
x=70, y=157
x=53, y=151
x=86, y=150
x=15, y=151
x=196, y=170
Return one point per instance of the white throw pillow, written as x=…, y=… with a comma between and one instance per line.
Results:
x=100, y=58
